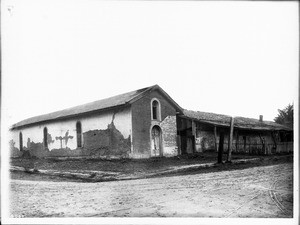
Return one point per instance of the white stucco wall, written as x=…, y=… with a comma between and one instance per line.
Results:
x=14, y=135
x=122, y=122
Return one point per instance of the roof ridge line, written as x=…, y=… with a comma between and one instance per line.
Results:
x=138, y=96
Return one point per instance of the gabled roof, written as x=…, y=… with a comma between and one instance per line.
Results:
x=239, y=122
x=104, y=104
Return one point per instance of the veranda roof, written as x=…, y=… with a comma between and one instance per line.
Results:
x=239, y=122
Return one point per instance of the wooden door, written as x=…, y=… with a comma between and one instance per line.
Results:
x=156, y=141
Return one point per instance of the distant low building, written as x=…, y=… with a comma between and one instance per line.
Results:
x=200, y=131
x=140, y=124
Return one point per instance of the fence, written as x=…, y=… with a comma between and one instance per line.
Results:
x=285, y=147
x=261, y=149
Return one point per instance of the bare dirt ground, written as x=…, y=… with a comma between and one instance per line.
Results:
x=140, y=167
x=264, y=191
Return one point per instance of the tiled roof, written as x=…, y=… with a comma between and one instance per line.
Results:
x=239, y=122
x=212, y=118
x=129, y=97
x=107, y=103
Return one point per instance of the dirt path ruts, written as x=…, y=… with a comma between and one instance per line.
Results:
x=236, y=193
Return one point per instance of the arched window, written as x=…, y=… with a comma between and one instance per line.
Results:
x=45, y=137
x=79, y=134
x=21, y=141
x=155, y=109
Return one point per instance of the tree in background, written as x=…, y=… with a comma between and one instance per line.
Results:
x=286, y=116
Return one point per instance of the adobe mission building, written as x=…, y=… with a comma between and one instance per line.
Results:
x=141, y=124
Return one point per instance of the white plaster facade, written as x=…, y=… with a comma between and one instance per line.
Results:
x=121, y=119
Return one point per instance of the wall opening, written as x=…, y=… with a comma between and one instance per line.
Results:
x=79, y=134
x=156, y=144
x=21, y=141
x=45, y=137
x=155, y=109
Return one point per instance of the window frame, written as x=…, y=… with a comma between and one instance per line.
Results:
x=45, y=137
x=79, y=134
x=21, y=141
x=158, y=109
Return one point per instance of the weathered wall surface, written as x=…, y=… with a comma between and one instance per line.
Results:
x=257, y=142
x=169, y=136
x=254, y=143
x=104, y=134
x=142, y=124
x=205, y=140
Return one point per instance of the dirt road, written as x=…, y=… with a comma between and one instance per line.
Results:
x=252, y=192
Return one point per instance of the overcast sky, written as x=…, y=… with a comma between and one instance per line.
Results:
x=234, y=58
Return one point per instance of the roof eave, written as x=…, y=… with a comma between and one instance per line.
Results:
x=68, y=116
x=235, y=126
x=205, y=121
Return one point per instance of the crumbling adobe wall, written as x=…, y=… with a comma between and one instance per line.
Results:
x=36, y=149
x=33, y=138
x=112, y=129
x=169, y=136
x=108, y=142
x=14, y=151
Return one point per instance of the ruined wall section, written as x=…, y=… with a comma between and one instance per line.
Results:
x=169, y=136
x=62, y=136
x=142, y=123
x=14, y=145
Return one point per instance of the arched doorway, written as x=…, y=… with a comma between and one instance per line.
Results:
x=156, y=146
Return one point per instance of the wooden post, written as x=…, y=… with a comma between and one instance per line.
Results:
x=178, y=144
x=263, y=147
x=230, y=140
x=194, y=135
x=216, y=143
x=237, y=141
x=274, y=140
x=245, y=144
x=250, y=151
x=221, y=143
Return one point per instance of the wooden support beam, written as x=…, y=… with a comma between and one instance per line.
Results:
x=216, y=138
x=178, y=139
x=262, y=144
x=221, y=144
x=194, y=135
x=230, y=140
x=274, y=139
x=237, y=140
